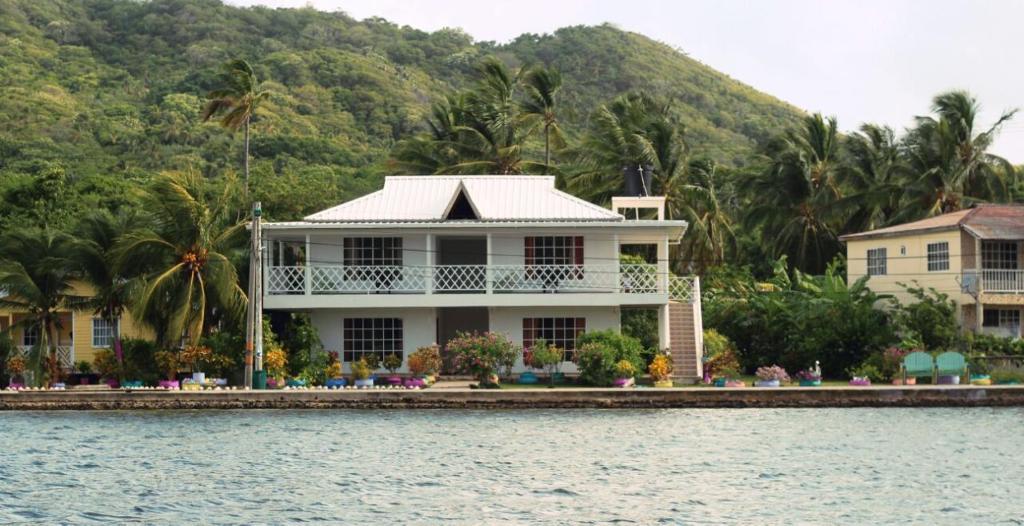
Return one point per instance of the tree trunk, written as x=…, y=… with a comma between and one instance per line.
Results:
x=246, y=160
x=547, y=148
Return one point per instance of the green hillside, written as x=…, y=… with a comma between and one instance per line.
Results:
x=100, y=94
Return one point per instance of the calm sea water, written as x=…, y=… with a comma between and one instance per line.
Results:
x=936, y=466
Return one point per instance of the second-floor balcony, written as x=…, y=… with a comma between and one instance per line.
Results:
x=997, y=281
x=474, y=279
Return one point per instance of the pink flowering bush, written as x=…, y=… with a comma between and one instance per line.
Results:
x=481, y=355
x=772, y=373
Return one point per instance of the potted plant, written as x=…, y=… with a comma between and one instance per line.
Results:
x=195, y=357
x=660, y=370
x=275, y=362
x=771, y=376
x=418, y=363
x=528, y=377
x=334, y=374
x=362, y=372
x=392, y=362
x=373, y=362
x=16, y=369
x=108, y=367
x=624, y=373
x=83, y=373
x=810, y=377
x=549, y=358
x=892, y=359
x=480, y=355
x=169, y=364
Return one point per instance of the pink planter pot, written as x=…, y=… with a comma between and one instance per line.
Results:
x=112, y=383
x=394, y=380
x=170, y=384
x=623, y=382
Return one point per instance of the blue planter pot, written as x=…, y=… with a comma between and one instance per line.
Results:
x=133, y=384
x=364, y=383
x=720, y=382
x=558, y=378
x=527, y=378
x=296, y=383
x=335, y=383
x=810, y=383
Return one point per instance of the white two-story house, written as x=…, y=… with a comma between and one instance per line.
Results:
x=427, y=257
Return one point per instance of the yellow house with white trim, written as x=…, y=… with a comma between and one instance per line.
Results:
x=975, y=256
x=80, y=334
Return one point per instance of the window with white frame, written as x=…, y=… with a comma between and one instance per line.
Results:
x=938, y=256
x=561, y=332
x=876, y=262
x=103, y=332
x=999, y=255
x=1008, y=319
x=30, y=336
x=372, y=251
x=380, y=336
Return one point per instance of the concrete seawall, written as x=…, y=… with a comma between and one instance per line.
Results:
x=881, y=396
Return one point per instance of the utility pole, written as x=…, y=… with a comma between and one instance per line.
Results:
x=257, y=228
x=252, y=327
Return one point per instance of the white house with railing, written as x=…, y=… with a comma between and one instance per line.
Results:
x=427, y=257
x=975, y=256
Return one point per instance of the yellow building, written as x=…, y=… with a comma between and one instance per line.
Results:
x=972, y=255
x=80, y=335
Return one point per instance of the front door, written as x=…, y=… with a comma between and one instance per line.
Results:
x=453, y=320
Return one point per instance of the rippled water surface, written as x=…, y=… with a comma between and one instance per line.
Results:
x=937, y=466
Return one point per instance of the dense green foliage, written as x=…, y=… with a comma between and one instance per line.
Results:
x=598, y=353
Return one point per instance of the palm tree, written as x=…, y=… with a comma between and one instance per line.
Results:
x=539, y=107
x=37, y=277
x=792, y=201
x=710, y=234
x=874, y=174
x=950, y=161
x=93, y=256
x=182, y=263
x=237, y=102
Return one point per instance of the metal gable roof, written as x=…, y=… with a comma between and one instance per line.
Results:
x=984, y=221
x=493, y=197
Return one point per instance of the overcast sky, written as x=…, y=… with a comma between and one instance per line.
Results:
x=862, y=61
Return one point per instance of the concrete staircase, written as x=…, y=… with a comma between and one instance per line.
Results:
x=686, y=342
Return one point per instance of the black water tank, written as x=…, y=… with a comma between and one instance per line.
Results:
x=638, y=184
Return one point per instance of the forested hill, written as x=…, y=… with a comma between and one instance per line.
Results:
x=108, y=92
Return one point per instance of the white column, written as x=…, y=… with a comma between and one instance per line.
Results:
x=663, y=266
x=616, y=252
x=429, y=274
x=664, y=336
x=698, y=325
x=488, y=272
x=308, y=278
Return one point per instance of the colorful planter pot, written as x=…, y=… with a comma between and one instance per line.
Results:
x=735, y=383
x=112, y=383
x=810, y=383
x=57, y=385
x=663, y=383
x=414, y=382
x=15, y=385
x=899, y=381
x=766, y=383
x=132, y=384
x=294, y=382
x=860, y=382
x=189, y=385
x=364, y=382
x=981, y=379
x=169, y=384
x=720, y=382
x=558, y=378
x=394, y=380
x=199, y=377
x=623, y=382
x=335, y=383
x=948, y=380
x=527, y=378
x=220, y=382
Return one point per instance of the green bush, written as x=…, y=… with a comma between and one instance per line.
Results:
x=227, y=353
x=140, y=361
x=868, y=370
x=6, y=346
x=598, y=353
x=929, y=319
x=1007, y=375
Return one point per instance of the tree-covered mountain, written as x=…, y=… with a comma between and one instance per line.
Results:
x=98, y=95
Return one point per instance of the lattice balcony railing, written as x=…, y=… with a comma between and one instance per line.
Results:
x=65, y=354
x=338, y=279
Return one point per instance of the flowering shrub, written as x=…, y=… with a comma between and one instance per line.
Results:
x=195, y=356
x=625, y=369
x=481, y=354
x=360, y=369
x=772, y=373
x=426, y=360
x=275, y=362
x=545, y=356
x=168, y=363
x=598, y=352
x=334, y=370
x=808, y=375
x=392, y=362
x=15, y=363
x=106, y=364
x=661, y=367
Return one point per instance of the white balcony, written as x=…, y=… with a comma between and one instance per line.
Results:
x=65, y=354
x=328, y=280
x=1002, y=281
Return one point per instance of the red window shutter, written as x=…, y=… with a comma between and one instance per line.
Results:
x=578, y=256
x=528, y=241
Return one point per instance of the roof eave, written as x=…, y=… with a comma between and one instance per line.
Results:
x=883, y=235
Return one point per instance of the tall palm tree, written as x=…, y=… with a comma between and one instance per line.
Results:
x=182, y=262
x=710, y=235
x=792, y=201
x=93, y=255
x=37, y=278
x=539, y=106
x=874, y=174
x=236, y=102
x=950, y=159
